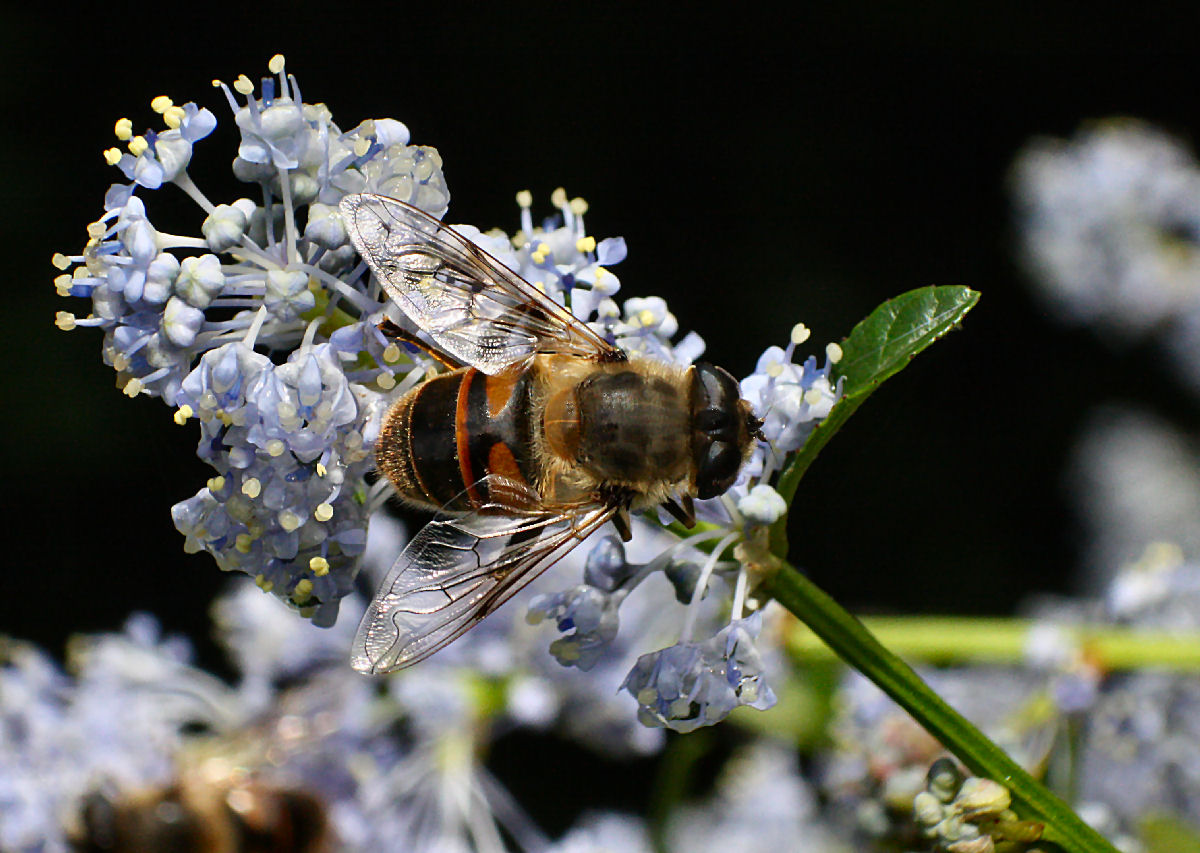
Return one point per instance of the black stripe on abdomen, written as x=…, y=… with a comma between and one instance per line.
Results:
x=432, y=440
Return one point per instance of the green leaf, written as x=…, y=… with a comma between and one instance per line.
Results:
x=882, y=344
x=877, y=348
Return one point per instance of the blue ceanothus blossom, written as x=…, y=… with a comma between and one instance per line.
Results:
x=264, y=329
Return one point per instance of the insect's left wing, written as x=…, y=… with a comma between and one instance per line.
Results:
x=457, y=570
x=472, y=305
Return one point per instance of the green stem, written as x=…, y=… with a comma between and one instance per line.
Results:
x=959, y=639
x=854, y=644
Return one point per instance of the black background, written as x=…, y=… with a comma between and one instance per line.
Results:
x=763, y=171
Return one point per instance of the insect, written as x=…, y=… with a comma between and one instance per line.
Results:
x=206, y=814
x=540, y=432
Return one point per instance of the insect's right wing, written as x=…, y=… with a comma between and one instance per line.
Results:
x=472, y=305
x=457, y=570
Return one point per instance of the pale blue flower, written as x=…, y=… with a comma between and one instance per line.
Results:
x=689, y=685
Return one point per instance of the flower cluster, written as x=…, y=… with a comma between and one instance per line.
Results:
x=265, y=329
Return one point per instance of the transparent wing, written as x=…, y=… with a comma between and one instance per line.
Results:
x=457, y=570
x=472, y=305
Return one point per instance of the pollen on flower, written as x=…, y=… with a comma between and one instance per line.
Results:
x=123, y=129
x=813, y=396
x=774, y=369
x=579, y=207
x=321, y=470
x=216, y=484
x=289, y=521
x=323, y=512
x=800, y=333
x=65, y=320
x=252, y=488
x=133, y=387
x=275, y=447
x=525, y=199
x=161, y=104
x=263, y=584
x=138, y=145
x=585, y=244
x=361, y=147
x=243, y=542
x=173, y=117
x=95, y=230
x=112, y=156
x=182, y=414
x=303, y=590
x=60, y=261
x=833, y=352
x=242, y=85
x=558, y=198
x=276, y=63
x=386, y=381
x=62, y=284
x=391, y=353
x=319, y=566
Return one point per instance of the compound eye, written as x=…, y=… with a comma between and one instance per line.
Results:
x=715, y=422
x=718, y=469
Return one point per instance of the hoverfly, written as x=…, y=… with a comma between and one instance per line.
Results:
x=539, y=433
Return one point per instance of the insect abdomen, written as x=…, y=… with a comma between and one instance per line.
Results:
x=446, y=434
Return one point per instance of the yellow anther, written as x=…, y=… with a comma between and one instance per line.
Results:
x=120, y=361
x=137, y=145
x=585, y=244
x=303, y=590
x=242, y=85
x=95, y=230
x=65, y=320
x=540, y=285
x=252, y=488
x=833, y=352
x=361, y=147
x=386, y=381
x=123, y=129
x=276, y=63
x=544, y=248
x=323, y=512
x=62, y=284
x=275, y=447
x=319, y=566
x=112, y=156
x=263, y=584
x=173, y=117
x=646, y=317
x=775, y=369
x=558, y=198
x=161, y=104
x=183, y=413
x=391, y=353
x=321, y=470
x=60, y=261
x=800, y=333
x=216, y=484
x=538, y=256
x=813, y=396
x=216, y=84
x=133, y=387
x=519, y=240
x=289, y=521
x=601, y=272
x=243, y=542
x=579, y=206
x=525, y=199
